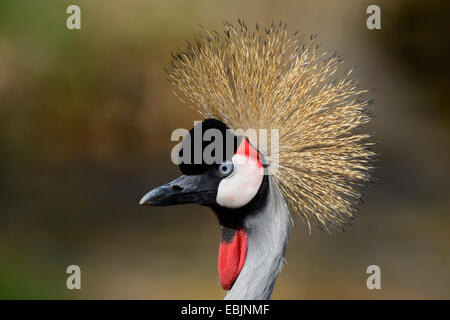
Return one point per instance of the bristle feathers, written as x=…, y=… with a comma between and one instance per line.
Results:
x=266, y=79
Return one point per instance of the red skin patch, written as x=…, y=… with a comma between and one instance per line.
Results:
x=245, y=149
x=231, y=258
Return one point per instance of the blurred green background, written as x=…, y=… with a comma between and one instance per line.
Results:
x=85, y=123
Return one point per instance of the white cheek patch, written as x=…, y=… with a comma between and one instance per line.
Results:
x=239, y=189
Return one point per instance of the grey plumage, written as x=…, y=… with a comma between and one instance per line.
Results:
x=267, y=241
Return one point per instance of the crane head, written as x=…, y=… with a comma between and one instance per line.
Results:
x=228, y=177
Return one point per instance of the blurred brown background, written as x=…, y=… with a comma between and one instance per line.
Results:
x=85, y=123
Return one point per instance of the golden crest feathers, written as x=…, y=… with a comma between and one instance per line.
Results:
x=267, y=79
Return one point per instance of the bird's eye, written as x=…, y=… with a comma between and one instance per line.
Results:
x=225, y=169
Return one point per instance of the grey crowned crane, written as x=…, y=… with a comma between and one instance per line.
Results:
x=267, y=80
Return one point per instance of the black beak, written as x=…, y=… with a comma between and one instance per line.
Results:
x=185, y=189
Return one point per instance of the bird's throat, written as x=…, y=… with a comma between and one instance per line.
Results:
x=232, y=254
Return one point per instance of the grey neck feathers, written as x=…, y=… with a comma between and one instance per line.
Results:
x=268, y=232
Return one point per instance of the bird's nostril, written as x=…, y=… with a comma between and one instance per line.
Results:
x=177, y=187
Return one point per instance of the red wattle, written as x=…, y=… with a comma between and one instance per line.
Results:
x=231, y=258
